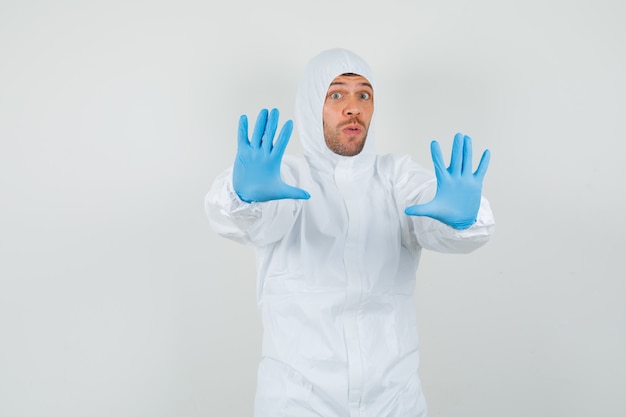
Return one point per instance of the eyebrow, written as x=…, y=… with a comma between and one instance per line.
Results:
x=343, y=83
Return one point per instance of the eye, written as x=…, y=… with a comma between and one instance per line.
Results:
x=335, y=96
x=365, y=96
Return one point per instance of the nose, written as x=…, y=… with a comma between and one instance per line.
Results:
x=352, y=107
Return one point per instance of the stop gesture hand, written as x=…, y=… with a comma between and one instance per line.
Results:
x=459, y=190
x=256, y=172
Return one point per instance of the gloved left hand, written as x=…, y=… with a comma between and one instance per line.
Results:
x=459, y=191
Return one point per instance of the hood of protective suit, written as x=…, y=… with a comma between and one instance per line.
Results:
x=318, y=75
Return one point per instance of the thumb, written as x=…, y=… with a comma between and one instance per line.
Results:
x=419, y=210
x=287, y=191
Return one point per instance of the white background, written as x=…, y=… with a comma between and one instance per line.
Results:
x=117, y=298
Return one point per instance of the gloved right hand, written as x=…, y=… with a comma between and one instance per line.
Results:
x=256, y=172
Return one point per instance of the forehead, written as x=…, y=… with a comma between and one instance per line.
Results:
x=350, y=80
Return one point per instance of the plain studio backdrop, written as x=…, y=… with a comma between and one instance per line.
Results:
x=118, y=299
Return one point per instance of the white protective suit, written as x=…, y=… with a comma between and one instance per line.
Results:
x=336, y=273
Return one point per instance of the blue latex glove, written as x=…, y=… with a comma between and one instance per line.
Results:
x=256, y=172
x=457, y=200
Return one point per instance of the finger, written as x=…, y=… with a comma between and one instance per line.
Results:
x=242, y=136
x=435, y=151
x=270, y=131
x=457, y=153
x=467, y=156
x=483, y=165
x=259, y=129
x=283, y=139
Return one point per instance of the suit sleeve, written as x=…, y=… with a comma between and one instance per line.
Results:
x=255, y=224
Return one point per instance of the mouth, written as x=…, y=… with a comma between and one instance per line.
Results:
x=352, y=129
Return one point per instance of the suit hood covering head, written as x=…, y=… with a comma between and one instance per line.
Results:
x=318, y=75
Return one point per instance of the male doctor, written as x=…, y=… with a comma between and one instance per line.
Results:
x=338, y=235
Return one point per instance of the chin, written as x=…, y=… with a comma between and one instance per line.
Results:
x=353, y=152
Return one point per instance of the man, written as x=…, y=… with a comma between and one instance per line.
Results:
x=339, y=234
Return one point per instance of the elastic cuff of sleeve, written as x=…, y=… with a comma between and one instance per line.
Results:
x=239, y=208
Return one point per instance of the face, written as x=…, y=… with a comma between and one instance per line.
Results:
x=347, y=114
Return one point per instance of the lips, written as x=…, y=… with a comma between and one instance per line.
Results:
x=352, y=129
